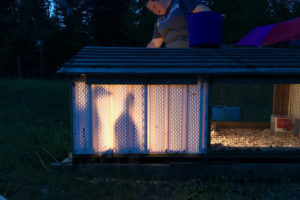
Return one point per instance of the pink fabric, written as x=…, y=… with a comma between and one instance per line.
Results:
x=273, y=33
x=256, y=36
x=283, y=32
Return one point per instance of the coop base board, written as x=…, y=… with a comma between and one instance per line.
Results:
x=249, y=156
x=204, y=171
x=217, y=124
x=215, y=164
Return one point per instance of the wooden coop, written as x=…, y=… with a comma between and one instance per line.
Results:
x=139, y=101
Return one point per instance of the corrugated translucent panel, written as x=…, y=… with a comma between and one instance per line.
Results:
x=177, y=118
x=294, y=101
x=139, y=115
x=157, y=109
x=82, y=118
x=177, y=113
x=203, y=116
x=140, y=119
x=119, y=118
x=103, y=131
x=193, y=136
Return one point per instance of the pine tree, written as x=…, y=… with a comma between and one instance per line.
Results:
x=241, y=17
x=281, y=10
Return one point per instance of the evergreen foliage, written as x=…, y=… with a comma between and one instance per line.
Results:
x=65, y=26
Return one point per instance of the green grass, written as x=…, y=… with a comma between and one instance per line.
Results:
x=34, y=120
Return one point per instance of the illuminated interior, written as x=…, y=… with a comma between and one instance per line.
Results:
x=80, y=120
x=268, y=117
x=119, y=118
x=140, y=118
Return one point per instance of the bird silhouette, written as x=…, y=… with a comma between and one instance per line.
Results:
x=125, y=128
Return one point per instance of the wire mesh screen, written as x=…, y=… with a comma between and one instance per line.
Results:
x=253, y=100
x=256, y=117
x=119, y=118
x=193, y=126
x=177, y=110
x=157, y=98
x=175, y=123
x=82, y=118
x=126, y=119
x=294, y=101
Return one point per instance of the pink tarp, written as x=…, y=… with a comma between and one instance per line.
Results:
x=273, y=33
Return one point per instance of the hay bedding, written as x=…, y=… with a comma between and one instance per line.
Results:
x=233, y=138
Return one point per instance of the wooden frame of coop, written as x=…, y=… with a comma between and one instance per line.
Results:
x=156, y=103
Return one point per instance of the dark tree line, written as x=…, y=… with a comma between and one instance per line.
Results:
x=38, y=36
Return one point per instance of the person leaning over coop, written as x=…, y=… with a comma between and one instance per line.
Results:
x=171, y=25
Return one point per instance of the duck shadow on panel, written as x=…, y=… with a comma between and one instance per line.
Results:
x=125, y=128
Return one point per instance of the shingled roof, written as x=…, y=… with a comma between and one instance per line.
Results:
x=191, y=61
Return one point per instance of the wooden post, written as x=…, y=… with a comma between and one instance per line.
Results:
x=281, y=99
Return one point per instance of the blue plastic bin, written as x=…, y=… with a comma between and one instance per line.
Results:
x=205, y=29
x=226, y=113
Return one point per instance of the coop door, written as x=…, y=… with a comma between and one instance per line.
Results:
x=140, y=119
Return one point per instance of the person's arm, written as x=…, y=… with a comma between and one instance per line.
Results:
x=201, y=8
x=155, y=43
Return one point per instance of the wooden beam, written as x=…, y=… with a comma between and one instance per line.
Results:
x=217, y=124
x=281, y=99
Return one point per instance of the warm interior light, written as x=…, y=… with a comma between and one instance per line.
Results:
x=81, y=100
x=81, y=117
x=141, y=118
x=103, y=114
x=120, y=117
x=156, y=107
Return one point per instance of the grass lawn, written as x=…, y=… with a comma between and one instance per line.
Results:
x=34, y=125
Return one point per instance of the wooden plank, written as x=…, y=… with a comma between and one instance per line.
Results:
x=222, y=49
x=217, y=124
x=270, y=66
x=183, y=60
x=281, y=99
x=200, y=54
x=204, y=169
x=201, y=57
x=143, y=70
x=215, y=61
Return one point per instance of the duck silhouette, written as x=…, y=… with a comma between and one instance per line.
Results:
x=125, y=128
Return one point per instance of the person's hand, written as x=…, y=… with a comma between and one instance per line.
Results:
x=201, y=8
x=155, y=43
